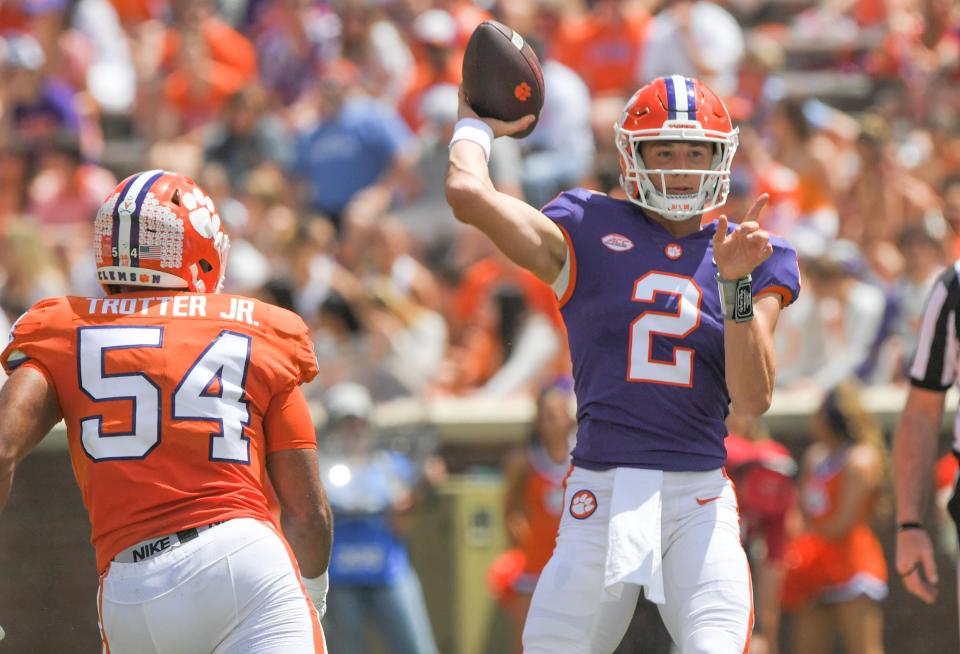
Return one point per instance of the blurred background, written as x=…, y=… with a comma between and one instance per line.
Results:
x=321, y=130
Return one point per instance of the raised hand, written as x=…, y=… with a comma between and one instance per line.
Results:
x=499, y=127
x=739, y=252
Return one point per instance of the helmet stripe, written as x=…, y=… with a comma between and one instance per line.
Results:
x=679, y=97
x=135, y=222
x=691, y=99
x=126, y=213
x=115, y=232
x=671, y=98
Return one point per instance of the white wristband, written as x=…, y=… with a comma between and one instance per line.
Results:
x=477, y=131
x=317, y=590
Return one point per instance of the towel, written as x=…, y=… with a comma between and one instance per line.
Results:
x=633, y=538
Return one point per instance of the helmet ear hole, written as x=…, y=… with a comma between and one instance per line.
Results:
x=176, y=198
x=205, y=265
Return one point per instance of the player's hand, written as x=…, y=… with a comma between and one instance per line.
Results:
x=916, y=565
x=499, y=127
x=739, y=252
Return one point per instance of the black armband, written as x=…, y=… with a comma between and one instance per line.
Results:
x=736, y=298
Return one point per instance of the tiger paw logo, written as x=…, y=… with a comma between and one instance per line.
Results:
x=583, y=504
x=522, y=91
x=673, y=251
x=203, y=215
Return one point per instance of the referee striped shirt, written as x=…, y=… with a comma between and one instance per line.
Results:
x=935, y=361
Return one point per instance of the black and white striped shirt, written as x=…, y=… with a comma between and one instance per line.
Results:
x=936, y=359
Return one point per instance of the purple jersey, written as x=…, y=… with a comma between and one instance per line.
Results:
x=645, y=328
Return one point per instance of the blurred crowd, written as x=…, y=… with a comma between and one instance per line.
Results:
x=321, y=127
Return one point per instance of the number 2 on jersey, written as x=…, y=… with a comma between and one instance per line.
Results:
x=678, y=324
x=222, y=366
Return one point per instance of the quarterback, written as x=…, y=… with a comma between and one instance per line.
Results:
x=670, y=322
x=181, y=406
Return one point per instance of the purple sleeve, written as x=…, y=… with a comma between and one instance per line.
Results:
x=567, y=208
x=779, y=274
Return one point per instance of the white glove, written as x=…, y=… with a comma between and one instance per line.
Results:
x=317, y=590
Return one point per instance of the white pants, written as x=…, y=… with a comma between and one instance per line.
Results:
x=706, y=579
x=232, y=589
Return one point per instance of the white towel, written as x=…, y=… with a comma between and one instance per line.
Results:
x=633, y=538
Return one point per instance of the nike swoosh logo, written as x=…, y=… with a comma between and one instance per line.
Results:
x=706, y=500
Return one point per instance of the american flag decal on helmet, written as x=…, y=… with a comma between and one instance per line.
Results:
x=125, y=237
x=681, y=98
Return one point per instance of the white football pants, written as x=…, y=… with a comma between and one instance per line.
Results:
x=234, y=588
x=706, y=579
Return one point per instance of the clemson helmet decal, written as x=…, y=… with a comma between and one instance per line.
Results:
x=159, y=229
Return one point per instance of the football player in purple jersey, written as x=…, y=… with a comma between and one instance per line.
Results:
x=670, y=323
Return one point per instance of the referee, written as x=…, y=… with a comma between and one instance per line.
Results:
x=933, y=370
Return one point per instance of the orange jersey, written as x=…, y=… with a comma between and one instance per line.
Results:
x=543, y=498
x=816, y=564
x=172, y=401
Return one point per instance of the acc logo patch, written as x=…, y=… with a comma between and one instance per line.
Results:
x=673, y=251
x=617, y=242
x=583, y=504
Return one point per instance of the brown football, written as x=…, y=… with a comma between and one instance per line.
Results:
x=502, y=77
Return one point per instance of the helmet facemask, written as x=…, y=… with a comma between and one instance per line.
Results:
x=647, y=187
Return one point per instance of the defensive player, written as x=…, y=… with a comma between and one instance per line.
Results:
x=177, y=402
x=668, y=323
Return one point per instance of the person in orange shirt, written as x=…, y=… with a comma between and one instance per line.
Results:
x=603, y=47
x=439, y=60
x=204, y=63
x=836, y=571
x=178, y=403
x=534, y=476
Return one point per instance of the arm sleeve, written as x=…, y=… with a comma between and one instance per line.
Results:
x=779, y=274
x=36, y=336
x=934, y=363
x=295, y=361
x=288, y=424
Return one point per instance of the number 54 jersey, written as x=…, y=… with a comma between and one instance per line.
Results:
x=645, y=328
x=172, y=401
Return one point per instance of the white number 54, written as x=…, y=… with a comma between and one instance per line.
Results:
x=224, y=361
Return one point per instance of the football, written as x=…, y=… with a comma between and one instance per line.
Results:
x=502, y=77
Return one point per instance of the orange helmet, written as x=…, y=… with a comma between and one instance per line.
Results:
x=675, y=108
x=159, y=229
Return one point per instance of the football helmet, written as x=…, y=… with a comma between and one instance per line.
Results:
x=159, y=229
x=675, y=108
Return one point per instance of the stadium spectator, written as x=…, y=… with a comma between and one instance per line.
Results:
x=559, y=152
x=533, y=501
x=205, y=61
x=763, y=473
x=710, y=45
x=372, y=489
x=293, y=39
x=848, y=317
x=36, y=105
x=245, y=135
x=355, y=154
x=604, y=46
x=836, y=573
x=789, y=138
x=924, y=260
x=438, y=61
